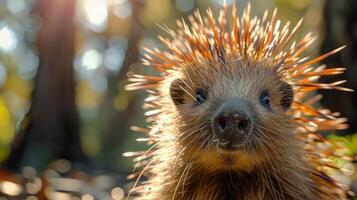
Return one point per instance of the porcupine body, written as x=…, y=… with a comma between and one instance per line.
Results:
x=233, y=114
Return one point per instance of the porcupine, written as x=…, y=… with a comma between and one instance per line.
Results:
x=233, y=113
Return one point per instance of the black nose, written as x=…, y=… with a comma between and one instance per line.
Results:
x=232, y=123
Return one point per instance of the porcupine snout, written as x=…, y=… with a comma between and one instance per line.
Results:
x=232, y=123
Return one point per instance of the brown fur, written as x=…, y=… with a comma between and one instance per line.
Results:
x=275, y=161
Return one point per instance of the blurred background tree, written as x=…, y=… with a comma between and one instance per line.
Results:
x=63, y=65
x=340, y=28
x=50, y=129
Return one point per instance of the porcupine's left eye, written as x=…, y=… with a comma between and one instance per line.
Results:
x=200, y=97
x=264, y=99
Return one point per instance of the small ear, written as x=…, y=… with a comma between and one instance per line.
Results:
x=176, y=91
x=287, y=95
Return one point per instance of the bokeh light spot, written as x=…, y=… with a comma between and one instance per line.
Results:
x=18, y=7
x=91, y=59
x=10, y=188
x=185, y=5
x=87, y=197
x=117, y=193
x=96, y=13
x=8, y=39
x=123, y=9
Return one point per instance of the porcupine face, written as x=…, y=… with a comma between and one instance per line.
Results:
x=231, y=115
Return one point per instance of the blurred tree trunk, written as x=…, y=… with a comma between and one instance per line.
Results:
x=120, y=121
x=51, y=127
x=341, y=29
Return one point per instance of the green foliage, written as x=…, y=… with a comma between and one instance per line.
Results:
x=349, y=141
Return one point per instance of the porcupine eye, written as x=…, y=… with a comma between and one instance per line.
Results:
x=264, y=99
x=200, y=97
